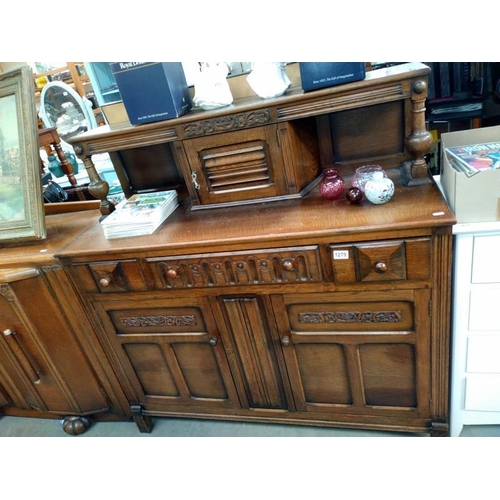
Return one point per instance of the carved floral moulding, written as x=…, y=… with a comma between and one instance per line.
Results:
x=227, y=123
x=158, y=320
x=351, y=317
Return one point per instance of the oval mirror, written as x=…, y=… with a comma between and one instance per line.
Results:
x=65, y=109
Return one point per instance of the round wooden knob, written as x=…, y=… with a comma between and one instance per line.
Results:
x=285, y=341
x=213, y=341
x=172, y=273
x=105, y=281
x=381, y=267
x=288, y=265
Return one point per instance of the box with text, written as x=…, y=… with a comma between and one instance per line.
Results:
x=152, y=91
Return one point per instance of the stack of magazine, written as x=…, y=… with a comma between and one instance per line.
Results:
x=140, y=214
x=474, y=158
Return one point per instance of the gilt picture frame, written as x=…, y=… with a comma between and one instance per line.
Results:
x=22, y=216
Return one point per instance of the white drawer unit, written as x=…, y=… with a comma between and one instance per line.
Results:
x=475, y=362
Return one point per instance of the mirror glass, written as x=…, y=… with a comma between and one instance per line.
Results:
x=62, y=110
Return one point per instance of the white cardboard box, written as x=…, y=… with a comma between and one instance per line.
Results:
x=475, y=198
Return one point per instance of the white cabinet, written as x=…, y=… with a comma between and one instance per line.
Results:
x=475, y=362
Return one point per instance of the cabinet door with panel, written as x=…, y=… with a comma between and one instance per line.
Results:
x=168, y=352
x=241, y=166
x=354, y=355
x=248, y=333
x=42, y=364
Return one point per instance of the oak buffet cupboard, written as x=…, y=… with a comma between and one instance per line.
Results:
x=290, y=309
x=51, y=365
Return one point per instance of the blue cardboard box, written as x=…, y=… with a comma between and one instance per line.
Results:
x=152, y=91
x=318, y=75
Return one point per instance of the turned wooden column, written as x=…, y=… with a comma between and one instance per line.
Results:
x=98, y=187
x=418, y=143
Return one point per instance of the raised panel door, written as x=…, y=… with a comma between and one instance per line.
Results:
x=169, y=352
x=364, y=353
x=43, y=366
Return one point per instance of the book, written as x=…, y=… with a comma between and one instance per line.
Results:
x=474, y=158
x=139, y=215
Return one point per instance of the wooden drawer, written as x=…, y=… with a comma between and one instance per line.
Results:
x=382, y=261
x=273, y=266
x=111, y=276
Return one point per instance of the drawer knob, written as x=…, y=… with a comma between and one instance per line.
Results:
x=288, y=264
x=105, y=281
x=285, y=341
x=381, y=267
x=213, y=341
x=172, y=273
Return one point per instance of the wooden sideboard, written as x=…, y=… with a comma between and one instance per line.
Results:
x=51, y=363
x=257, y=299
x=302, y=311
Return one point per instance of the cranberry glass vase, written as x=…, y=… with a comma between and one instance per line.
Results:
x=332, y=185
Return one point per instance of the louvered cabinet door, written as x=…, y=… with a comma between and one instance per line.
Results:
x=236, y=166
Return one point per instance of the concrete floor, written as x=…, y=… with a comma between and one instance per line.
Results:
x=172, y=427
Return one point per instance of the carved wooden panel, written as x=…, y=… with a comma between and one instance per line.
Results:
x=389, y=374
x=39, y=354
x=227, y=123
x=243, y=167
x=235, y=166
x=280, y=265
x=362, y=352
x=169, y=351
x=249, y=332
x=351, y=316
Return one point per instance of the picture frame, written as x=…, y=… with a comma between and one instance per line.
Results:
x=22, y=216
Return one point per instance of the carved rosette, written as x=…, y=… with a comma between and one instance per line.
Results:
x=227, y=123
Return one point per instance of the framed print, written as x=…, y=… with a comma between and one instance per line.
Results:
x=22, y=216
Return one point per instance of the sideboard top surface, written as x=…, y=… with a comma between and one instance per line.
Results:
x=279, y=223
x=61, y=229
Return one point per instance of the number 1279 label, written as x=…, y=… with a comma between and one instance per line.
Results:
x=340, y=254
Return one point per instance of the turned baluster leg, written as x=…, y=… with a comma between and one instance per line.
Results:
x=418, y=143
x=66, y=166
x=98, y=188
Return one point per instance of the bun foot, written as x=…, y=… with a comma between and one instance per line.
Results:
x=75, y=425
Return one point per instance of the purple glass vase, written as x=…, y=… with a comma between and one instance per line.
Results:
x=331, y=186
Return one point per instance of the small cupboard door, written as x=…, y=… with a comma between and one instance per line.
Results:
x=240, y=165
x=363, y=353
x=170, y=353
x=42, y=366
